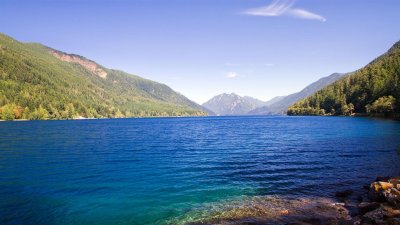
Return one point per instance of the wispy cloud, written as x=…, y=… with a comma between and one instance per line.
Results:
x=284, y=8
x=231, y=75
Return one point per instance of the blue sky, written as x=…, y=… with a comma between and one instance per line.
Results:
x=202, y=48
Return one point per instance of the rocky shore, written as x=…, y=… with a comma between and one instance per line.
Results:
x=378, y=203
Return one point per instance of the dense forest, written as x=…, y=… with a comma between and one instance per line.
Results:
x=34, y=84
x=373, y=90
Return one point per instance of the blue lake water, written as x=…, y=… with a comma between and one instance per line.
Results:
x=150, y=171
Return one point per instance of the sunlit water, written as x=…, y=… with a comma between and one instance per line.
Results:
x=151, y=171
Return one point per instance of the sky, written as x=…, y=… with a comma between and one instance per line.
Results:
x=202, y=48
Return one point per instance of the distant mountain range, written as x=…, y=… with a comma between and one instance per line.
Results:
x=281, y=105
x=233, y=104
x=38, y=82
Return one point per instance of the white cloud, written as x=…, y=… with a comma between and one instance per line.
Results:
x=304, y=14
x=284, y=8
x=231, y=75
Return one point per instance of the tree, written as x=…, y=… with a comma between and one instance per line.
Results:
x=351, y=108
x=40, y=114
x=18, y=112
x=26, y=113
x=7, y=112
x=118, y=114
x=385, y=104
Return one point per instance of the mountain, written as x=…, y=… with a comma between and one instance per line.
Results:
x=232, y=104
x=38, y=82
x=279, y=105
x=374, y=89
x=274, y=100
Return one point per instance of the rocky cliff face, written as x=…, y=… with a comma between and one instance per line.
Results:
x=87, y=64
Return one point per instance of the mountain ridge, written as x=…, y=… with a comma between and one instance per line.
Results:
x=374, y=89
x=232, y=104
x=282, y=105
x=39, y=82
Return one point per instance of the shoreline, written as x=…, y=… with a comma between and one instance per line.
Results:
x=83, y=118
x=395, y=118
x=376, y=203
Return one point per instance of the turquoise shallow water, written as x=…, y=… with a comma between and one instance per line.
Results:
x=150, y=171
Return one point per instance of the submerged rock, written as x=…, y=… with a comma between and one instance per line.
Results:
x=270, y=210
x=381, y=205
x=365, y=207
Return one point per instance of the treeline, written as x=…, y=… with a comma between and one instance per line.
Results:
x=36, y=85
x=374, y=89
x=16, y=112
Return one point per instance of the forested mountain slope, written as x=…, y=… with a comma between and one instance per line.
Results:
x=374, y=89
x=37, y=82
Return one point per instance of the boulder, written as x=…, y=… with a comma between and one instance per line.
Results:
x=380, y=215
x=365, y=207
x=395, y=181
x=392, y=196
x=381, y=186
x=376, y=216
x=377, y=190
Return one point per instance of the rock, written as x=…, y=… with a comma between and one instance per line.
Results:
x=394, y=221
x=394, y=181
x=391, y=212
x=377, y=190
x=393, y=197
x=284, y=212
x=379, y=186
x=365, y=207
x=381, y=215
x=374, y=217
x=344, y=194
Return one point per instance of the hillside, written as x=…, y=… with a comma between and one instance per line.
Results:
x=37, y=82
x=232, y=104
x=374, y=89
x=279, y=105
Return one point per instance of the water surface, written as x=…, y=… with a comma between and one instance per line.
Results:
x=150, y=171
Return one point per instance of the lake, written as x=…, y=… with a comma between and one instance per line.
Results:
x=157, y=170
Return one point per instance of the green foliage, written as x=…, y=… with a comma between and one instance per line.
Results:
x=39, y=114
x=385, y=104
x=36, y=85
x=7, y=112
x=372, y=89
